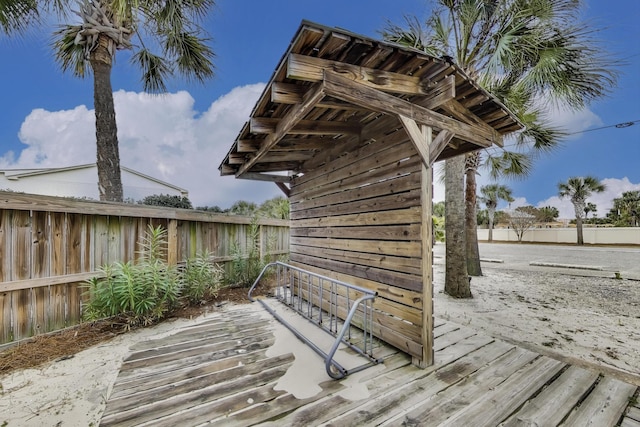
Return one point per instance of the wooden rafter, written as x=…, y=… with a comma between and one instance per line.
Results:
x=295, y=114
x=265, y=177
x=304, y=127
x=462, y=113
x=439, y=144
x=305, y=144
x=351, y=91
x=307, y=68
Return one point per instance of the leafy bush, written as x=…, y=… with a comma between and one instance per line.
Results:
x=167, y=200
x=246, y=266
x=144, y=292
x=201, y=278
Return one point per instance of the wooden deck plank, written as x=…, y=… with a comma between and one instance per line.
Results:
x=231, y=344
x=217, y=373
x=210, y=329
x=125, y=388
x=195, y=341
x=447, y=403
x=176, y=403
x=604, y=405
x=634, y=413
x=188, y=385
x=268, y=410
x=497, y=403
x=629, y=422
x=452, y=337
x=395, y=400
x=221, y=408
x=553, y=404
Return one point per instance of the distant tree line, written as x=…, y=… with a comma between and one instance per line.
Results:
x=277, y=207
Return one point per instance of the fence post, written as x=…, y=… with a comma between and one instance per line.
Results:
x=172, y=241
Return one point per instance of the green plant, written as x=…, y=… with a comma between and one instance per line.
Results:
x=143, y=292
x=247, y=265
x=201, y=278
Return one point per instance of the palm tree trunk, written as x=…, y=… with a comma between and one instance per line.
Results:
x=471, y=222
x=579, y=229
x=456, y=278
x=491, y=215
x=108, y=157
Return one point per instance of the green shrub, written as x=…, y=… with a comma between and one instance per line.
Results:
x=143, y=292
x=201, y=278
x=247, y=265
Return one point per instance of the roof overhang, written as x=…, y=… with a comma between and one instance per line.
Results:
x=333, y=90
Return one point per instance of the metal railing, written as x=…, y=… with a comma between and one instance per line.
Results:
x=332, y=305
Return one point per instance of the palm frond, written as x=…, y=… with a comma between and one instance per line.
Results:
x=155, y=70
x=68, y=52
x=193, y=58
x=17, y=15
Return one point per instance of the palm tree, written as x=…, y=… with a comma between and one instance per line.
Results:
x=16, y=15
x=579, y=189
x=523, y=52
x=456, y=282
x=588, y=208
x=491, y=195
x=164, y=39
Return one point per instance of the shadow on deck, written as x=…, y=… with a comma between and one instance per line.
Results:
x=241, y=368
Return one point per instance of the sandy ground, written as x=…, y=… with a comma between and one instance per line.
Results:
x=595, y=320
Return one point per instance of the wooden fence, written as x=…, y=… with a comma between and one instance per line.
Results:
x=49, y=246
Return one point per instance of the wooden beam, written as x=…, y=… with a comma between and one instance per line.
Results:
x=305, y=127
x=291, y=93
x=303, y=144
x=286, y=190
x=419, y=139
x=348, y=90
x=307, y=68
x=265, y=177
x=293, y=116
x=427, y=258
x=286, y=156
x=439, y=144
x=462, y=113
x=444, y=91
x=227, y=170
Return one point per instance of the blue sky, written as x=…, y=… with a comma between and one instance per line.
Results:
x=46, y=117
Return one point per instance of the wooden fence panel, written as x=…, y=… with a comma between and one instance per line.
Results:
x=49, y=246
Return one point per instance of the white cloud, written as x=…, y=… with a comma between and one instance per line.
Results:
x=159, y=135
x=603, y=201
x=570, y=121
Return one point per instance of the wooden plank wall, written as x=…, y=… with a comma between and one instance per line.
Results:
x=357, y=218
x=49, y=247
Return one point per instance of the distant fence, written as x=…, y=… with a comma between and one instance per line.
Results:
x=49, y=246
x=592, y=236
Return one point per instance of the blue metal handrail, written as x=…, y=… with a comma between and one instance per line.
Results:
x=333, y=368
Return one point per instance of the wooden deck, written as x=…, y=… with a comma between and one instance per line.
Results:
x=223, y=371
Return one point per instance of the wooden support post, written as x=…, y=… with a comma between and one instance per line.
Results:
x=172, y=242
x=427, y=261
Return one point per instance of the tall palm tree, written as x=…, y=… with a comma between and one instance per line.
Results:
x=491, y=195
x=579, y=189
x=523, y=52
x=164, y=39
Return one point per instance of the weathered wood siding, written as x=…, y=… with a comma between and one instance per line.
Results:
x=49, y=246
x=358, y=218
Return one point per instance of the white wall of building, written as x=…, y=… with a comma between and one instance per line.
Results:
x=592, y=236
x=83, y=183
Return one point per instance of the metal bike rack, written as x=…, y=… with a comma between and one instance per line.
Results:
x=319, y=299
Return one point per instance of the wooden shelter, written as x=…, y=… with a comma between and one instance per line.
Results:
x=349, y=128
